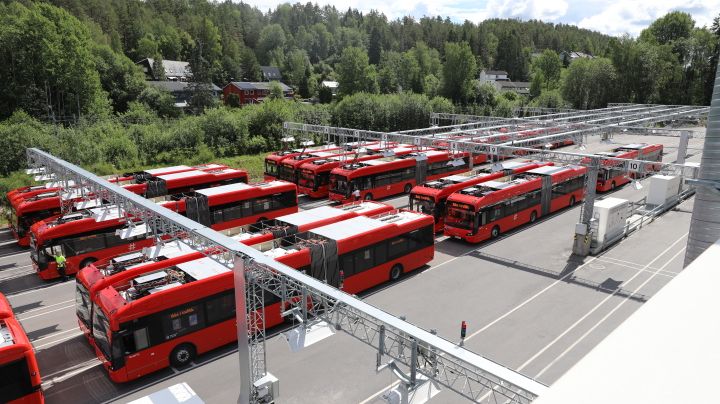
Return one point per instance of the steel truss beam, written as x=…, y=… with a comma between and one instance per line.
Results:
x=450, y=365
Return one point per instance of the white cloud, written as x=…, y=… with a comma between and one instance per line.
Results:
x=613, y=17
x=632, y=16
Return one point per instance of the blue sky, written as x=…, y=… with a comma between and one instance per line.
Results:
x=610, y=17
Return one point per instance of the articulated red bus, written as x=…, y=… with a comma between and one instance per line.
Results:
x=484, y=211
x=20, y=381
x=430, y=197
x=314, y=175
x=145, y=323
x=86, y=236
x=273, y=160
x=388, y=176
x=359, y=253
x=97, y=275
x=612, y=174
x=26, y=211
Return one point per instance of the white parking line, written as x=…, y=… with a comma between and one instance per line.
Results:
x=602, y=320
x=516, y=308
x=55, y=334
x=46, y=313
x=38, y=347
x=45, y=307
x=597, y=306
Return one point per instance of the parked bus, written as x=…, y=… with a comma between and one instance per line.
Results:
x=484, y=211
x=145, y=323
x=273, y=160
x=24, y=212
x=86, y=236
x=97, y=275
x=20, y=381
x=359, y=253
x=612, y=173
x=430, y=197
x=314, y=175
x=389, y=176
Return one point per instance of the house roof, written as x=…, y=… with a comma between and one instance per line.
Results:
x=514, y=84
x=576, y=55
x=330, y=84
x=251, y=85
x=496, y=72
x=173, y=68
x=270, y=72
x=176, y=86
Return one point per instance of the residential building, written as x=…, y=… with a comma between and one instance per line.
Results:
x=271, y=73
x=332, y=85
x=568, y=57
x=520, y=87
x=175, y=70
x=252, y=92
x=491, y=76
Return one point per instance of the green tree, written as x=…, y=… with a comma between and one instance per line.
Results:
x=548, y=65
x=157, y=67
x=586, y=83
x=298, y=70
x=147, y=47
x=459, y=71
x=249, y=66
x=160, y=101
x=669, y=28
x=46, y=64
x=512, y=57
x=272, y=38
x=354, y=72
x=121, y=79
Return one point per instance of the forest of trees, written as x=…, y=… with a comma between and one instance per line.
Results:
x=68, y=73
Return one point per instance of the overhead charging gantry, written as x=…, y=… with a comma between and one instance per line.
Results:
x=597, y=125
x=419, y=354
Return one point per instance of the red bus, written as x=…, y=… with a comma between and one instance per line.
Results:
x=86, y=236
x=314, y=175
x=95, y=276
x=430, y=197
x=484, y=211
x=359, y=253
x=388, y=176
x=273, y=160
x=612, y=174
x=20, y=381
x=145, y=323
x=24, y=212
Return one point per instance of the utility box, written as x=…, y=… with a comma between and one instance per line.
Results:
x=662, y=188
x=611, y=215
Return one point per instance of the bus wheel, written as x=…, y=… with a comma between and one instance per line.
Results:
x=182, y=355
x=395, y=272
x=533, y=216
x=86, y=262
x=495, y=232
x=408, y=188
x=612, y=186
x=572, y=200
x=368, y=196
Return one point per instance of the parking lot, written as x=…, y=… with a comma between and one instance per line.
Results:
x=528, y=303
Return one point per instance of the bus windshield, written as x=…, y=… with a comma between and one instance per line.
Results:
x=270, y=167
x=426, y=206
x=82, y=303
x=339, y=184
x=460, y=217
x=101, y=329
x=306, y=179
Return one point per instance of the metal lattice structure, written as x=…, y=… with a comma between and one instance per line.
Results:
x=444, y=362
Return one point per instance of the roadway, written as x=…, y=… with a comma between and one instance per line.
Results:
x=528, y=305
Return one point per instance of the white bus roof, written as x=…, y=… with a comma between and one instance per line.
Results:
x=548, y=170
x=238, y=186
x=156, y=171
x=362, y=224
x=202, y=268
x=181, y=175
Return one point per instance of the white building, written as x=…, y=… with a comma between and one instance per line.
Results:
x=491, y=76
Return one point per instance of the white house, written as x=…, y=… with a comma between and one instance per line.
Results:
x=491, y=76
